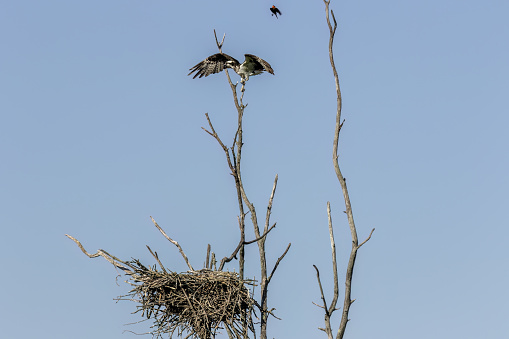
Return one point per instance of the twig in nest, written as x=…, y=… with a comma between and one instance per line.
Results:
x=174, y=243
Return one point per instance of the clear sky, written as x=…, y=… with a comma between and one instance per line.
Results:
x=100, y=128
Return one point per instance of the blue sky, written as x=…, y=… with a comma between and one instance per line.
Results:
x=100, y=128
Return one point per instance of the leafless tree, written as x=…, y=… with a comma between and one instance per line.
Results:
x=233, y=158
x=150, y=277
x=329, y=309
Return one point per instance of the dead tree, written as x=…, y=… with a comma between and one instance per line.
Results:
x=199, y=303
x=347, y=302
x=233, y=159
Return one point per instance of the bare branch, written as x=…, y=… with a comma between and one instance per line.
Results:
x=335, y=23
x=219, y=45
x=154, y=254
x=260, y=237
x=82, y=248
x=110, y=258
x=328, y=328
x=215, y=135
x=239, y=246
x=207, y=259
x=174, y=243
x=269, y=205
x=277, y=262
x=213, y=261
x=334, y=261
x=365, y=241
x=318, y=305
x=321, y=291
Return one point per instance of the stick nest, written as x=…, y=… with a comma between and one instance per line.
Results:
x=195, y=302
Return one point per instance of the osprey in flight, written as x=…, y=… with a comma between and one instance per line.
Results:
x=253, y=65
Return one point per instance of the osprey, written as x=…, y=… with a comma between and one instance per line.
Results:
x=253, y=65
x=275, y=11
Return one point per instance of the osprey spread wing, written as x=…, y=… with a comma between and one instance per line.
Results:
x=252, y=65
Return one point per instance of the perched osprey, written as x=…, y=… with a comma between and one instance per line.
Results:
x=275, y=11
x=253, y=65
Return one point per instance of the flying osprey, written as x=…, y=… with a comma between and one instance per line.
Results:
x=253, y=65
x=275, y=11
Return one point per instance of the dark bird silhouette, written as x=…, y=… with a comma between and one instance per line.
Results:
x=275, y=11
x=252, y=65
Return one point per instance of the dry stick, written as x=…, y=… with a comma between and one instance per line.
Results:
x=332, y=308
x=277, y=263
x=110, y=258
x=223, y=146
x=334, y=262
x=213, y=261
x=335, y=154
x=262, y=236
x=174, y=243
x=154, y=254
x=327, y=328
x=267, y=219
x=269, y=205
x=230, y=258
x=207, y=260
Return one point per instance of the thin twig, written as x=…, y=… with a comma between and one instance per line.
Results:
x=278, y=261
x=219, y=45
x=110, y=258
x=321, y=292
x=207, y=260
x=239, y=246
x=154, y=254
x=269, y=205
x=365, y=241
x=334, y=261
x=174, y=243
x=261, y=236
x=223, y=146
x=317, y=305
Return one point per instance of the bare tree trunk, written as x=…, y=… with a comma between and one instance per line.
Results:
x=234, y=157
x=355, y=243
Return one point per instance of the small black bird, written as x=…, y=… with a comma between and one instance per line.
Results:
x=275, y=11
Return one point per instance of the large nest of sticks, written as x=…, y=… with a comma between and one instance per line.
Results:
x=195, y=303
